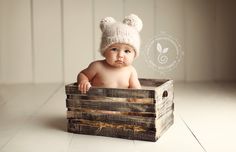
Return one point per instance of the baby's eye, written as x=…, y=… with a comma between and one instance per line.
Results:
x=114, y=49
x=127, y=51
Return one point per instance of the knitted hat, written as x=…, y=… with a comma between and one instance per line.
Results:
x=117, y=32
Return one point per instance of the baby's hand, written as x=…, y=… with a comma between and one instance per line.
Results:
x=84, y=86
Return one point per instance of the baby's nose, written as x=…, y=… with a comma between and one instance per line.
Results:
x=121, y=54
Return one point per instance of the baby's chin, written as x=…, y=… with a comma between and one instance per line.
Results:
x=119, y=65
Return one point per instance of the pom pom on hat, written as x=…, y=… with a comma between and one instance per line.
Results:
x=116, y=32
x=106, y=21
x=133, y=20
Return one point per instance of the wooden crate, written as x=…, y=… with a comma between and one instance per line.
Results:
x=138, y=114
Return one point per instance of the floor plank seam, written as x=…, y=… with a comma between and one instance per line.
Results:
x=30, y=117
x=70, y=143
x=4, y=145
x=46, y=101
x=191, y=131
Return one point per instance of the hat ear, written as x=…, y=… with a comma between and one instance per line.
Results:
x=106, y=21
x=134, y=21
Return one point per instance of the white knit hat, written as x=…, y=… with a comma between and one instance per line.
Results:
x=117, y=32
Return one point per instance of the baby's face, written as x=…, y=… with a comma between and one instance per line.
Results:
x=119, y=55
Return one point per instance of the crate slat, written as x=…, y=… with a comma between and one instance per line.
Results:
x=116, y=106
x=111, y=92
x=111, y=132
x=148, y=122
x=111, y=99
x=142, y=114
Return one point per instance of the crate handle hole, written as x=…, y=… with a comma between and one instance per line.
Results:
x=165, y=94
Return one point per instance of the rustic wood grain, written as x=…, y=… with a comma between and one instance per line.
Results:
x=148, y=122
x=128, y=131
x=111, y=132
x=116, y=106
x=112, y=92
x=141, y=114
x=111, y=99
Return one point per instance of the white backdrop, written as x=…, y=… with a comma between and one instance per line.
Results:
x=45, y=41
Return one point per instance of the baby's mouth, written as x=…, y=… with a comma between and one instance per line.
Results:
x=119, y=61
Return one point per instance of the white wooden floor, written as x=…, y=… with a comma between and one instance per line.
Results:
x=33, y=119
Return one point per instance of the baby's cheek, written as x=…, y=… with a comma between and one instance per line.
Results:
x=130, y=60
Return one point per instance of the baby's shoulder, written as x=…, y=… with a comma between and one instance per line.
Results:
x=132, y=71
x=96, y=64
x=131, y=68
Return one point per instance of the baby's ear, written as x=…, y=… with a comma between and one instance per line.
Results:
x=134, y=21
x=105, y=22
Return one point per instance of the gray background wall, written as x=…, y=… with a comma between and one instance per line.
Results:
x=45, y=41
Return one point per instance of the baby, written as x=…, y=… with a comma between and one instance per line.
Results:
x=120, y=46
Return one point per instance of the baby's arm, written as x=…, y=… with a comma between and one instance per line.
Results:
x=85, y=76
x=133, y=81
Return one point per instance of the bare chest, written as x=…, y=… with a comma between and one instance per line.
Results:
x=112, y=78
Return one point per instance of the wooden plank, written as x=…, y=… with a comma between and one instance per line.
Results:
x=146, y=82
x=111, y=99
x=112, y=92
x=124, y=93
x=224, y=39
x=165, y=92
x=78, y=36
x=148, y=32
x=147, y=122
x=118, y=131
x=164, y=98
x=168, y=124
x=163, y=123
x=143, y=114
x=110, y=106
x=163, y=111
x=15, y=42
x=47, y=32
x=120, y=106
x=201, y=22
x=75, y=112
x=170, y=19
